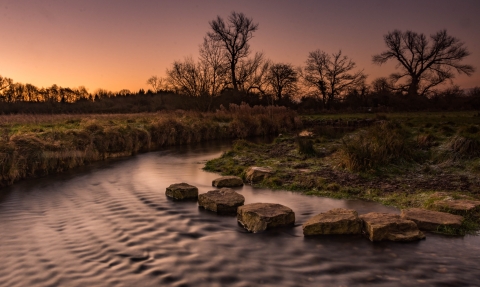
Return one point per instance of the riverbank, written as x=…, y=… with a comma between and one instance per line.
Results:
x=403, y=160
x=37, y=145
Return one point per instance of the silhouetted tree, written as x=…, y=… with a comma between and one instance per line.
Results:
x=282, y=79
x=156, y=83
x=251, y=74
x=425, y=63
x=31, y=93
x=380, y=85
x=234, y=36
x=186, y=77
x=124, y=92
x=330, y=75
x=5, y=83
x=214, y=66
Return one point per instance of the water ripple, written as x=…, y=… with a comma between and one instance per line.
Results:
x=111, y=225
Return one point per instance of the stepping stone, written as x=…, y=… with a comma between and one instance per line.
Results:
x=182, y=191
x=431, y=220
x=227, y=181
x=257, y=174
x=224, y=201
x=459, y=206
x=387, y=226
x=335, y=221
x=257, y=217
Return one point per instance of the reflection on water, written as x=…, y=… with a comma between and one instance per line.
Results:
x=111, y=225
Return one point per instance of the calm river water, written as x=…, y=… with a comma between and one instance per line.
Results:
x=110, y=224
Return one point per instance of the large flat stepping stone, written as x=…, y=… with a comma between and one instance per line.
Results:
x=335, y=221
x=257, y=217
x=224, y=201
x=431, y=220
x=182, y=191
x=257, y=173
x=387, y=226
x=227, y=181
x=459, y=206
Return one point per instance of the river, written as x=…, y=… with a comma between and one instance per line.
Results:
x=110, y=224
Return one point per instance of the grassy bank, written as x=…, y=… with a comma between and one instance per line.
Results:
x=404, y=160
x=37, y=145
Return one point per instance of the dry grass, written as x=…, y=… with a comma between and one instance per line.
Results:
x=464, y=147
x=36, y=145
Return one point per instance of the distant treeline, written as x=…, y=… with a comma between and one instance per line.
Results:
x=58, y=100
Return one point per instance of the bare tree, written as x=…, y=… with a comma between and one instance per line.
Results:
x=214, y=65
x=186, y=77
x=282, y=79
x=252, y=74
x=234, y=36
x=5, y=84
x=425, y=63
x=124, y=92
x=380, y=85
x=156, y=83
x=330, y=75
x=31, y=93
x=195, y=79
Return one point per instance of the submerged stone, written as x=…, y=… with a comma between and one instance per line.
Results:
x=335, y=221
x=257, y=173
x=224, y=201
x=387, y=226
x=227, y=181
x=182, y=191
x=257, y=217
x=431, y=220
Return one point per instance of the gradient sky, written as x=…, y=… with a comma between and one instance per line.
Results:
x=119, y=44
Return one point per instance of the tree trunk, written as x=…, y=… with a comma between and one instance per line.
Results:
x=279, y=95
x=413, y=88
x=234, y=78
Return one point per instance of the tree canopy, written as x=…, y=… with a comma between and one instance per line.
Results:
x=234, y=35
x=330, y=75
x=424, y=63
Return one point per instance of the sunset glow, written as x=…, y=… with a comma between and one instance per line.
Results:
x=118, y=45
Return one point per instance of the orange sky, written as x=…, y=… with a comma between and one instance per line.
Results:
x=119, y=44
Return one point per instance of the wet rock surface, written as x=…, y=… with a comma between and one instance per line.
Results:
x=182, y=191
x=335, y=221
x=257, y=173
x=223, y=201
x=257, y=217
x=387, y=226
x=227, y=181
x=431, y=220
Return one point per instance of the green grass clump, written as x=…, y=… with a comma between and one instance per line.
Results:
x=376, y=146
x=464, y=147
x=305, y=146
